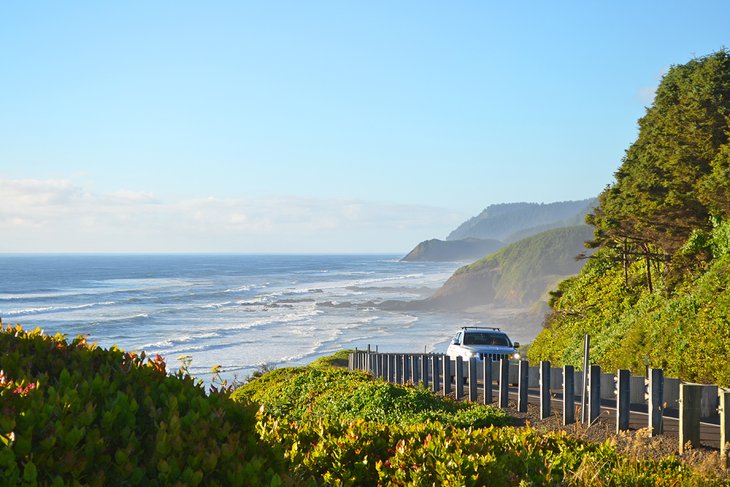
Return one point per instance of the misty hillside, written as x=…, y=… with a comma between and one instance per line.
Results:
x=518, y=275
x=467, y=250
x=510, y=222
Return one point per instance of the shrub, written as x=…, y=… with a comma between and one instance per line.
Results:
x=336, y=394
x=74, y=413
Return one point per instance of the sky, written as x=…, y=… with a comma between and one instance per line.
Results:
x=317, y=126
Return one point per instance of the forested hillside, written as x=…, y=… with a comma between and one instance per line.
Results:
x=517, y=275
x=657, y=286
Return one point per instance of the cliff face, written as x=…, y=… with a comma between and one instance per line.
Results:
x=519, y=275
x=466, y=250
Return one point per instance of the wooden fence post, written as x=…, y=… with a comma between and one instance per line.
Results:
x=568, y=394
x=391, y=368
x=522, y=383
x=399, y=368
x=544, y=389
x=396, y=368
x=416, y=371
x=406, y=369
x=447, y=375
x=472, y=379
x=459, y=378
x=424, y=368
x=402, y=365
x=689, y=416
x=724, y=426
x=584, y=387
x=503, y=382
x=623, y=400
x=655, y=396
x=436, y=381
x=594, y=396
x=487, y=378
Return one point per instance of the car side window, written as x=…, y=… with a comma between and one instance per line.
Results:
x=457, y=338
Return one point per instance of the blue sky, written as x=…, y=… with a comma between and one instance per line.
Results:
x=316, y=126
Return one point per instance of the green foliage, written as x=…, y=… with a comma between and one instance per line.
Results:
x=365, y=453
x=337, y=359
x=686, y=332
x=336, y=394
x=335, y=427
x=676, y=172
x=74, y=413
x=658, y=286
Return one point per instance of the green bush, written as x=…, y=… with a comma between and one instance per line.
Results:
x=74, y=413
x=336, y=394
x=372, y=453
x=337, y=359
x=336, y=427
x=684, y=330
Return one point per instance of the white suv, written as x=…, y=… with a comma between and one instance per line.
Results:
x=479, y=342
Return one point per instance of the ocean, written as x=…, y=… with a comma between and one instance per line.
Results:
x=238, y=311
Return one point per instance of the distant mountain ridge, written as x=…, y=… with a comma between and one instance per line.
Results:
x=510, y=222
x=467, y=250
x=499, y=225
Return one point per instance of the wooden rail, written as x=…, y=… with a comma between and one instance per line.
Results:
x=655, y=394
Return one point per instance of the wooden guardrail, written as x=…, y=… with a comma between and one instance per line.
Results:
x=693, y=402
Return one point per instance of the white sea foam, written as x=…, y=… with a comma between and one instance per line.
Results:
x=46, y=295
x=54, y=309
x=238, y=289
x=216, y=305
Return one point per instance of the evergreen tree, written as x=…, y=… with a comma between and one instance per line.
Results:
x=676, y=173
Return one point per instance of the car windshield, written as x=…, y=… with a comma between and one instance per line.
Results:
x=486, y=339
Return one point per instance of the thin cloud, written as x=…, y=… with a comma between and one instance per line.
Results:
x=57, y=215
x=125, y=197
x=37, y=192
